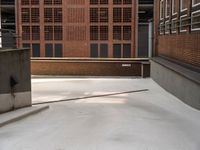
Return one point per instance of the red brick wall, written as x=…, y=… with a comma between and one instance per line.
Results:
x=76, y=27
x=184, y=47
x=86, y=67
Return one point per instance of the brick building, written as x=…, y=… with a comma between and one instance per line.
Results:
x=78, y=28
x=177, y=30
x=176, y=65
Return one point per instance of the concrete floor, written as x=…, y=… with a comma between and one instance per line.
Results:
x=151, y=120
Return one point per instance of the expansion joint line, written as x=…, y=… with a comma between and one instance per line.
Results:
x=89, y=97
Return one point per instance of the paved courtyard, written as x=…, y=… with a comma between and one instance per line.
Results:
x=146, y=120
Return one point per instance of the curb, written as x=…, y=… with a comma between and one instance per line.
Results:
x=9, y=118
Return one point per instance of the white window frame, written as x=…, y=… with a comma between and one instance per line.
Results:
x=167, y=30
x=166, y=6
x=175, y=19
x=161, y=32
x=196, y=29
x=161, y=6
x=181, y=6
x=173, y=6
x=181, y=21
x=194, y=5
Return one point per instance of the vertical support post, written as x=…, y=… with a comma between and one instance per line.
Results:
x=150, y=38
x=0, y=28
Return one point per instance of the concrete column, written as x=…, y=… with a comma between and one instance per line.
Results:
x=0, y=27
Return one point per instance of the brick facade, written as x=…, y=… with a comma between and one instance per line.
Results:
x=78, y=28
x=177, y=30
x=90, y=67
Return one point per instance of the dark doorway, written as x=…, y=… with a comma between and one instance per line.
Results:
x=143, y=40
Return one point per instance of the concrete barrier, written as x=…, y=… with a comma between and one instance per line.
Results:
x=178, y=80
x=88, y=67
x=15, y=82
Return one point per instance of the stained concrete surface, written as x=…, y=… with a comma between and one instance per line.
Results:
x=151, y=120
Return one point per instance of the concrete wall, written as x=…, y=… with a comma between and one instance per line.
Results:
x=184, y=86
x=14, y=65
x=89, y=67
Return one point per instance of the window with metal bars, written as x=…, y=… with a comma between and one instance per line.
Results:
x=25, y=15
x=195, y=20
x=34, y=2
x=57, y=2
x=126, y=32
x=174, y=25
x=184, y=22
x=127, y=14
x=117, y=32
x=103, y=1
x=103, y=15
x=58, y=33
x=93, y=32
x=25, y=32
x=183, y=5
x=48, y=32
x=57, y=14
x=167, y=8
x=35, y=33
x=47, y=2
x=25, y=2
x=115, y=2
x=195, y=3
x=93, y=2
x=161, y=9
x=127, y=1
x=93, y=14
x=103, y=32
x=117, y=14
x=35, y=15
x=48, y=15
x=167, y=27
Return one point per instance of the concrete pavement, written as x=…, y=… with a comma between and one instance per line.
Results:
x=150, y=120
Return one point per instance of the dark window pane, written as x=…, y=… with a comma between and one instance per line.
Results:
x=49, y=50
x=103, y=14
x=127, y=33
x=93, y=14
x=117, y=1
x=93, y=2
x=25, y=33
x=127, y=1
x=94, y=50
x=58, y=33
x=103, y=32
x=103, y=1
x=104, y=50
x=117, y=50
x=58, y=50
x=117, y=32
x=35, y=33
x=127, y=50
x=26, y=45
x=35, y=50
x=117, y=14
x=127, y=14
x=93, y=32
